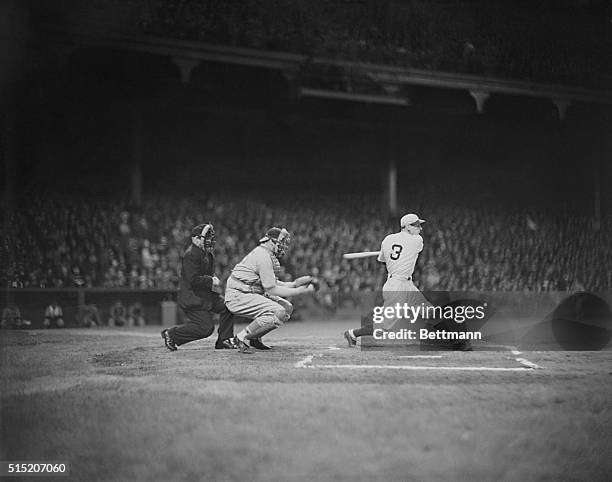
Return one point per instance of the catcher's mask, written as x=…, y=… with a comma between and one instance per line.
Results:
x=280, y=238
x=203, y=236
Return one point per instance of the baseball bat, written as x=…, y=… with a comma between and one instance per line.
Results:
x=361, y=254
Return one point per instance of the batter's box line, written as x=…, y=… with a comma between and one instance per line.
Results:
x=307, y=362
x=420, y=356
x=417, y=368
x=523, y=361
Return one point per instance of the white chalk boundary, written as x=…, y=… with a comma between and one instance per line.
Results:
x=415, y=367
x=522, y=361
x=420, y=356
x=305, y=362
x=527, y=365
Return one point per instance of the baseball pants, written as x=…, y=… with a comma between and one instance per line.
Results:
x=200, y=324
x=401, y=291
x=254, y=305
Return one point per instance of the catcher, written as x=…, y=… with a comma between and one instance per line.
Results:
x=254, y=291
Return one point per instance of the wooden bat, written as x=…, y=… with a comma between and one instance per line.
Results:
x=361, y=254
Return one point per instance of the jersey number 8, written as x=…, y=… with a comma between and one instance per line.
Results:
x=397, y=250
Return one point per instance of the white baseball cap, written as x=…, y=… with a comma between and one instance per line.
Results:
x=410, y=219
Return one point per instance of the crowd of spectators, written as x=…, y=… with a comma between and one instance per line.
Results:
x=538, y=41
x=73, y=242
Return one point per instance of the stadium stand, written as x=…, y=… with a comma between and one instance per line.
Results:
x=64, y=242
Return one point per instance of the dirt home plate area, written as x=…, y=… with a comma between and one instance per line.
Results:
x=115, y=405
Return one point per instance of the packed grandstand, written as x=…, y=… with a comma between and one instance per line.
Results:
x=71, y=242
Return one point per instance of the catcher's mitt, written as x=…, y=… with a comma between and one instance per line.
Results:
x=303, y=280
x=315, y=283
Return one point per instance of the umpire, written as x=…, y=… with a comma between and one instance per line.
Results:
x=199, y=297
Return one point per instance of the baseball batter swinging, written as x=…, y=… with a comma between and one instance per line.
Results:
x=254, y=291
x=399, y=251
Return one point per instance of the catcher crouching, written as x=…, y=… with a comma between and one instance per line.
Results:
x=254, y=291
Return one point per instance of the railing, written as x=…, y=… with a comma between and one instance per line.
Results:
x=33, y=301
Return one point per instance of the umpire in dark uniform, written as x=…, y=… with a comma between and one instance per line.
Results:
x=199, y=297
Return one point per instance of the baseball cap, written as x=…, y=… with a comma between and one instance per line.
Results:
x=272, y=233
x=201, y=229
x=410, y=219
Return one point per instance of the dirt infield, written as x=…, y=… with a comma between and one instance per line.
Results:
x=116, y=405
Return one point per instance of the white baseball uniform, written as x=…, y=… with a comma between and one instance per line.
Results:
x=246, y=287
x=400, y=251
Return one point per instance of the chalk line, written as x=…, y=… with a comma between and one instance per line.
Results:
x=420, y=356
x=414, y=367
x=527, y=363
x=522, y=361
x=304, y=362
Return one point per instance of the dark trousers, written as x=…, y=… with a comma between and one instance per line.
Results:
x=200, y=324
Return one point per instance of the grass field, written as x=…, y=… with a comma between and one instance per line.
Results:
x=116, y=405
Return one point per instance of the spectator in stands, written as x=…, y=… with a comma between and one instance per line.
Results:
x=90, y=316
x=118, y=315
x=54, y=316
x=146, y=256
x=136, y=314
x=11, y=318
x=77, y=278
x=124, y=226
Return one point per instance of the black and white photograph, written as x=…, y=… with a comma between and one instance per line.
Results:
x=306, y=240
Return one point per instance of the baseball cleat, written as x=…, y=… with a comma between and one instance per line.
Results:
x=256, y=343
x=350, y=340
x=242, y=346
x=225, y=345
x=170, y=345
